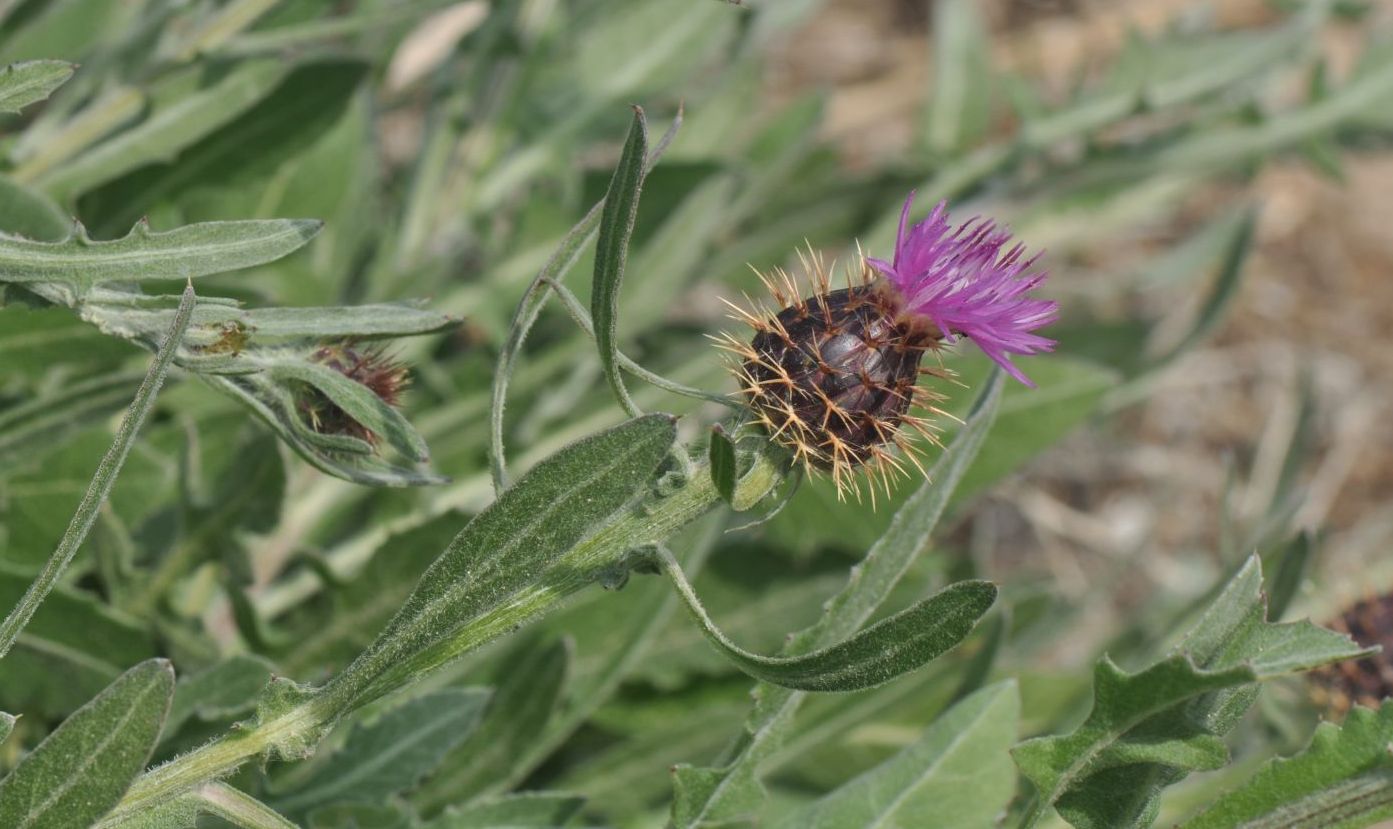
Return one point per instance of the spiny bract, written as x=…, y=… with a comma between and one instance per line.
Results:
x=833, y=377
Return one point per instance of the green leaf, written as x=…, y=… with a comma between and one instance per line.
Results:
x=102, y=480
x=523, y=702
x=184, y=253
x=969, y=742
x=169, y=129
x=876, y=655
x=390, y=755
x=72, y=649
x=612, y=251
x=1342, y=780
x=541, y=810
x=361, y=816
x=7, y=724
x=509, y=546
x=81, y=770
x=717, y=796
x=530, y=307
x=31, y=81
x=1151, y=728
x=721, y=456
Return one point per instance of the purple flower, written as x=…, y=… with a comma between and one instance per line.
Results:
x=964, y=284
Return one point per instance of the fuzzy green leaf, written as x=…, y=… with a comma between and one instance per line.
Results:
x=389, y=755
x=528, y=810
x=968, y=742
x=187, y=252
x=31, y=81
x=1151, y=728
x=81, y=770
x=1342, y=780
x=7, y=724
x=732, y=793
x=876, y=655
x=612, y=252
x=509, y=546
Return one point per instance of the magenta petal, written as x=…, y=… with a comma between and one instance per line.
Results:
x=967, y=281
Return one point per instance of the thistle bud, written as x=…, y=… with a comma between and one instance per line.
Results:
x=367, y=366
x=834, y=377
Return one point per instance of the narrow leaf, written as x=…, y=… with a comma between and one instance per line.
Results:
x=183, y=253
x=81, y=770
x=390, y=755
x=707, y=796
x=612, y=251
x=29, y=82
x=100, y=486
x=872, y=657
x=530, y=307
x=1342, y=780
x=509, y=546
x=967, y=743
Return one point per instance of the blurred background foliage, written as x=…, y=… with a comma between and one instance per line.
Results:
x=1210, y=180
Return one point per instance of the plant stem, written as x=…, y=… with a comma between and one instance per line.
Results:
x=100, y=486
x=649, y=523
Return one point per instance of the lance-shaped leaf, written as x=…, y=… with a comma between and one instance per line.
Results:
x=1342, y=780
x=968, y=742
x=876, y=655
x=31, y=81
x=612, y=251
x=508, y=547
x=732, y=792
x=81, y=770
x=183, y=253
x=389, y=755
x=1149, y=729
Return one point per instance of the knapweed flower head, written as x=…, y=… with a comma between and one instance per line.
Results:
x=835, y=376
x=1366, y=681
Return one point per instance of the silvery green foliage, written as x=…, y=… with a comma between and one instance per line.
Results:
x=332, y=642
